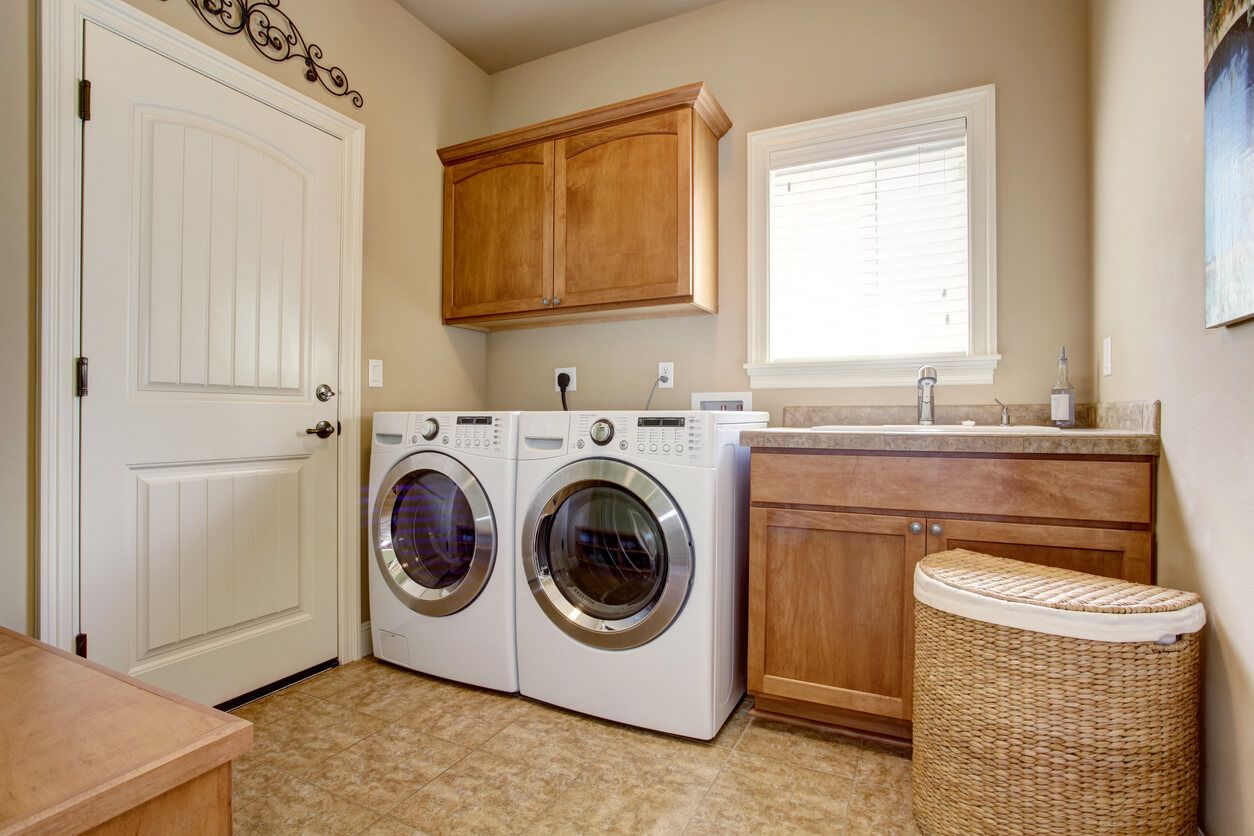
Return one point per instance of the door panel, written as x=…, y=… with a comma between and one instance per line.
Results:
x=223, y=284
x=498, y=233
x=831, y=608
x=624, y=212
x=210, y=312
x=1111, y=553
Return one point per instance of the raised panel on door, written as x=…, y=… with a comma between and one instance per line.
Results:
x=1111, y=553
x=831, y=608
x=623, y=204
x=498, y=233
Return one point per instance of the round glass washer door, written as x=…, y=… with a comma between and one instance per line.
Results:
x=434, y=534
x=607, y=554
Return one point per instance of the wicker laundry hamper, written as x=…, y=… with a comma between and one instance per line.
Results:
x=1052, y=701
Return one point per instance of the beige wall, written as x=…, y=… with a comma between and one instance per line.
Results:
x=1147, y=272
x=420, y=93
x=773, y=62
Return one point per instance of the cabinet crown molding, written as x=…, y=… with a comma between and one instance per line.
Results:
x=696, y=96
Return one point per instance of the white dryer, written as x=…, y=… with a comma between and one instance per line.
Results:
x=632, y=565
x=441, y=536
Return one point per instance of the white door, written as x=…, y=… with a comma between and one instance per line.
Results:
x=211, y=273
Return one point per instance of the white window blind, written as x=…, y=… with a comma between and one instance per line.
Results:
x=868, y=246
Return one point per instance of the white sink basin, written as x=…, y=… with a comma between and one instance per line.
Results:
x=981, y=429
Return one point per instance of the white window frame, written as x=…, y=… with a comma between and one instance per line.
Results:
x=977, y=366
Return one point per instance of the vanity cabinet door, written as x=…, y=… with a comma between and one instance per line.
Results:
x=1111, y=553
x=623, y=206
x=498, y=233
x=831, y=608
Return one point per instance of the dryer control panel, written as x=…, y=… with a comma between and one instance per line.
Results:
x=680, y=438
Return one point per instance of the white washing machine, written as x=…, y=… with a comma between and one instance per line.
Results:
x=632, y=565
x=442, y=541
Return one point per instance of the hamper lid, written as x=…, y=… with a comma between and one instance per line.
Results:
x=1059, y=602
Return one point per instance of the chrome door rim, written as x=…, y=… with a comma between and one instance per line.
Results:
x=419, y=598
x=650, y=622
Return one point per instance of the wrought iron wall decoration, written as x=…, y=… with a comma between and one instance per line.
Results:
x=273, y=33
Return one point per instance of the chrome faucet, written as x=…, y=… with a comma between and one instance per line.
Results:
x=927, y=382
x=1005, y=413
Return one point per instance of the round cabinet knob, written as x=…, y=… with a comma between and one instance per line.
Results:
x=602, y=431
x=936, y=529
x=557, y=300
x=430, y=428
x=544, y=301
x=916, y=528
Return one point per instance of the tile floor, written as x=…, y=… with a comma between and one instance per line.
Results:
x=370, y=748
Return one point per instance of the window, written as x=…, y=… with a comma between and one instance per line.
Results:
x=872, y=246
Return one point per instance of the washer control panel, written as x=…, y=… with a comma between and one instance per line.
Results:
x=486, y=433
x=680, y=438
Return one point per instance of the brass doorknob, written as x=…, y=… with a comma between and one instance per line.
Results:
x=322, y=429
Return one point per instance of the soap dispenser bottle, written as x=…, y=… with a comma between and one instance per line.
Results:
x=1062, y=397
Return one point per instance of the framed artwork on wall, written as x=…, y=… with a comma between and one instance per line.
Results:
x=1229, y=141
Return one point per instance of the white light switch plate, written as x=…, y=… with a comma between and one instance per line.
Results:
x=1106, y=357
x=376, y=374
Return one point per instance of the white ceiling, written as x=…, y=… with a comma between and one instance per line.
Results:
x=498, y=34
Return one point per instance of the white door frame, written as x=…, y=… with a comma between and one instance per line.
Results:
x=61, y=25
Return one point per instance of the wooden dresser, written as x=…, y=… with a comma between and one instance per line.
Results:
x=86, y=749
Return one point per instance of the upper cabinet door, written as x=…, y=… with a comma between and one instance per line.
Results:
x=498, y=233
x=623, y=203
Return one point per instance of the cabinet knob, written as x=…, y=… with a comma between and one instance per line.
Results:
x=937, y=529
x=556, y=301
x=544, y=301
x=916, y=528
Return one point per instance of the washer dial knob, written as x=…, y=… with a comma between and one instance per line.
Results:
x=430, y=428
x=602, y=431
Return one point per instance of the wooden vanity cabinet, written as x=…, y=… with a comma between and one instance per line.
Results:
x=608, y=212
x=834, y=539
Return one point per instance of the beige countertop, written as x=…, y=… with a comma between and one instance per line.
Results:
x=1077, y=442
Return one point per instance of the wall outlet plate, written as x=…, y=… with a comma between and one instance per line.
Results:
x=723, y=401
x=1106, y=366
x=375, y=376
x=570, y=371
x=666, y=369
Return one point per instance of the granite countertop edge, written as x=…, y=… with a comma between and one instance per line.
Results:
x=1078, y=442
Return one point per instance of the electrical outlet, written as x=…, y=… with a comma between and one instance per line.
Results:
x=376, y=374
x=1106, y=357
x=570, y=371
x=666, y=369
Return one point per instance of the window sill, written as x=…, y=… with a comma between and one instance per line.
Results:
x=871, y=371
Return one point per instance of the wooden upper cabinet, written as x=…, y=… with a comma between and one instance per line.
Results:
x=498, y=232
x=624, y=212
x=586, y=216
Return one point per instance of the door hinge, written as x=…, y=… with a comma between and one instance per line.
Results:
x=80, y=645
x=84, y=100
x=80, y=377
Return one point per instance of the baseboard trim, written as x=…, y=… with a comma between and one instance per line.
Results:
x=365, y=646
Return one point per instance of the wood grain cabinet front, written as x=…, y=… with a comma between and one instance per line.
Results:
x=602, y=214
x=831, y=603
x=834, y=540
x=498, y=233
